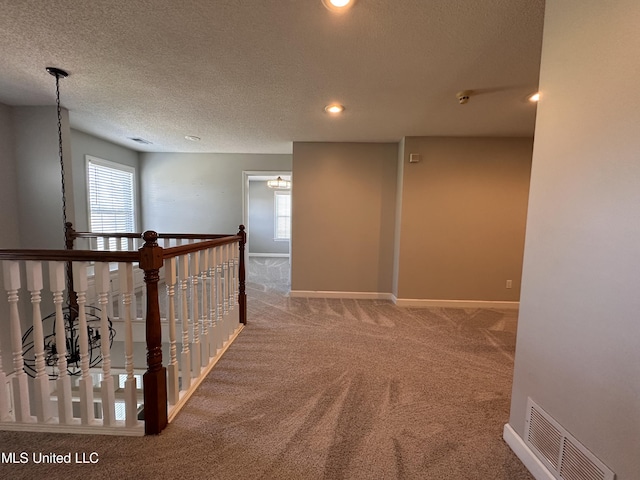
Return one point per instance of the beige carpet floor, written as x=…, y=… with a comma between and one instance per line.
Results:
x=326, y=389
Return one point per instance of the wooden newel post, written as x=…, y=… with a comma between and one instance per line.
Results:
x=155, y=378
x=242, y=295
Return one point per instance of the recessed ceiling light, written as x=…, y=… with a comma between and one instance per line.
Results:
x=193, y=138
x=334, y=108
x=535, y=97
x=338, y=5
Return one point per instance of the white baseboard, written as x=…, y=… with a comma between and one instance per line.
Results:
x=336, y=294
x=403, y=302
x=275, y=255
x=526, y=456
x=418, y=302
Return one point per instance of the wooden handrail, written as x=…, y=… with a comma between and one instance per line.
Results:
x=151, y=258
x=182, y=236
x=106, y=235
x=70, y=255
x=194, y=247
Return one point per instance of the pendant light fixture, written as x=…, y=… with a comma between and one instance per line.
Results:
x=70, y=311
x=59, y=73
x=279, y=184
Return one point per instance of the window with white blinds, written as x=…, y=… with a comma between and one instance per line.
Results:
x=111, y=194
x=282, y=215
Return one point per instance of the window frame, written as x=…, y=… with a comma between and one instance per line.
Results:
x=276, y=194
x=89, y=159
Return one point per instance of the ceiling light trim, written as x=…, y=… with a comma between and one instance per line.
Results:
x=334, y=108
x=338, y=6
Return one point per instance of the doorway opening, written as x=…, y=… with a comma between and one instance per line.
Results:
x=267, y=217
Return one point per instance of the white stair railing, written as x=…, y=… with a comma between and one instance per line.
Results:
x=42, y=398
x=80, y=383
x=63, y=382
x=173, y=369
x=20, y=387
x=85, y=384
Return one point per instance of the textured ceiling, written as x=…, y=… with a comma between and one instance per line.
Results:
x=253, y=76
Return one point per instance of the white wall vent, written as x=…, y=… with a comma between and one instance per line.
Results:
x=564, y=456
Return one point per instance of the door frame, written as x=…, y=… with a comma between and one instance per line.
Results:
x=246, y=174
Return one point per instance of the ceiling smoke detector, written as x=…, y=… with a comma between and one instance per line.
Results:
x=463, y=96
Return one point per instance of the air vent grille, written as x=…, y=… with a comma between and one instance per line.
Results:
x=545, y=437
x=577, y=466
x=140, y=140
x=564, y=456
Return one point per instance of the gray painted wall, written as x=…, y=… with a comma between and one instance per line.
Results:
x=343, y=216
x=462, y=225
x=83, y=144
x=193, y=192
x=9, y=233
x=262, y=220
x=577, y=352
x=38, y=176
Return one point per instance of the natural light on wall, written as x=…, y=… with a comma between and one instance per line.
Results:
x=282, y=215
x=111, y=194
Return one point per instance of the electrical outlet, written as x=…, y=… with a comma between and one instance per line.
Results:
x=509, y=283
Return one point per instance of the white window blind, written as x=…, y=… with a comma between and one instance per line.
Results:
x=111, y=194
x=282, y=215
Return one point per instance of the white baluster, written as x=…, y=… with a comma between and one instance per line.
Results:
x=204, y=339
x=212, y=301
x=85, y=384
x=172, y=369
x=107, y=392
x=5, y=408
x=228, y=290
x=234, y=314
x=183, y=273
x=219, y=304
x=125, y=274
x=63, y=383
x=20, y=386
x=42, y=400
x=113, y=299
x=5, y=411
x=194, y=259
x=236, y=273
x=225, y=288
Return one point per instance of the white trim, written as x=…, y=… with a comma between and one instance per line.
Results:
x=335, y=294
x=246, y=174
x=403, y=302
x=418, y=302
x=526, y=456
x=269, y=255
x=115, y=166
x=174, y=410
x=96, y=429
x=276, y=194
